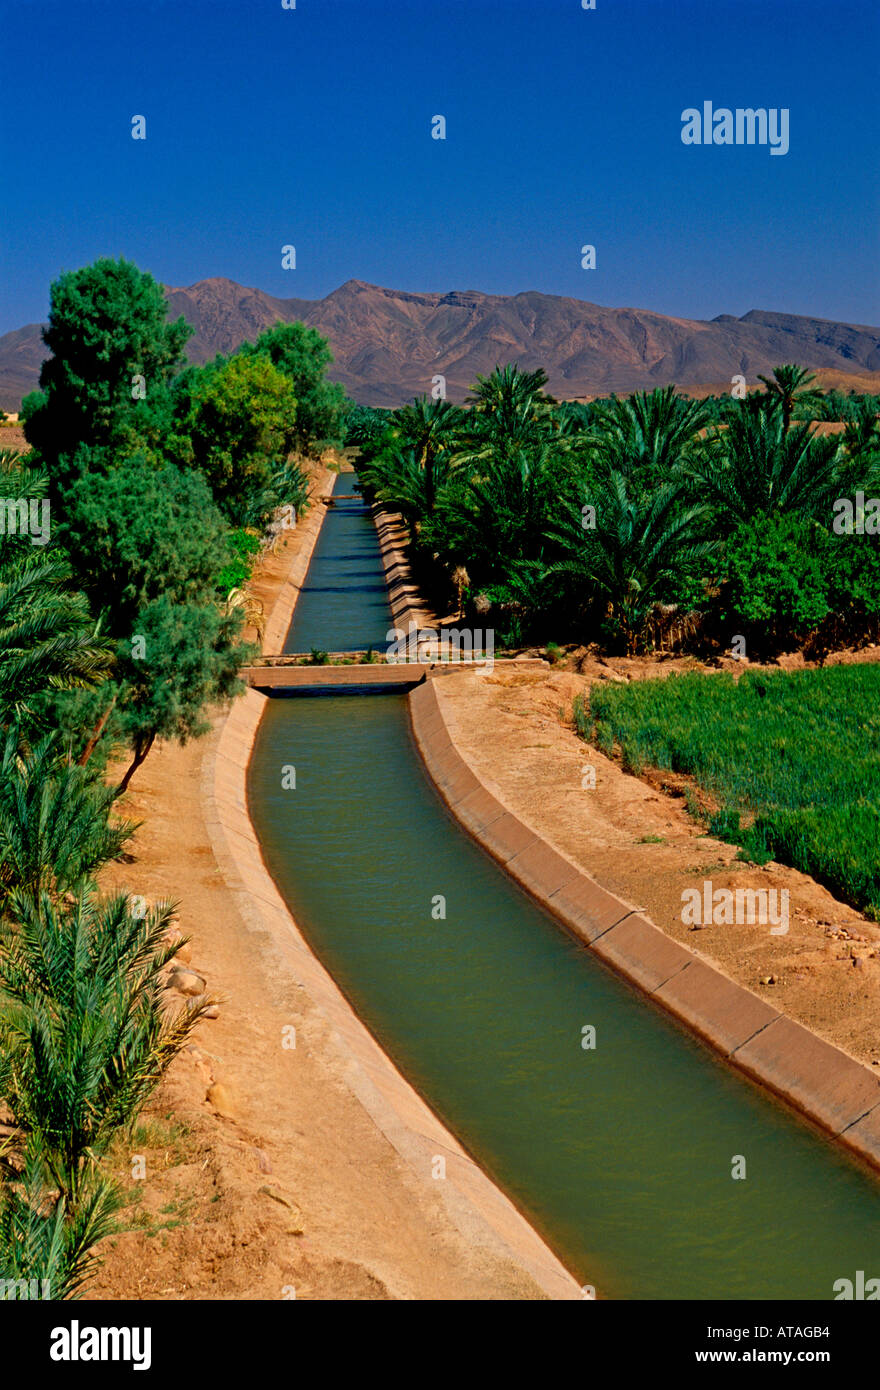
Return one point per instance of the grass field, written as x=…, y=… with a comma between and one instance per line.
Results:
x=792, y=760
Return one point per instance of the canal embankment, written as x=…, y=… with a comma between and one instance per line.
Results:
x=829, y=1079
x=834, y=1090
x=267, y=1177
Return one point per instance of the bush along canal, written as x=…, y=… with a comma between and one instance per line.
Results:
x=652, y=1169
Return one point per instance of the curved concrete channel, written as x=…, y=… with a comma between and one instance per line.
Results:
x=647, y=1167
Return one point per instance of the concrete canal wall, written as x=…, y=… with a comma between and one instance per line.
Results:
x=832, y=1089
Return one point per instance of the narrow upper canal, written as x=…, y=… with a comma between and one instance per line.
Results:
x=622, y=1156
x=343, y=606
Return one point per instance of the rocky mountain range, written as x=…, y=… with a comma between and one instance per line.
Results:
x=389, y=344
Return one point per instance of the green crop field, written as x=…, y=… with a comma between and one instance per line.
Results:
x=792, y=760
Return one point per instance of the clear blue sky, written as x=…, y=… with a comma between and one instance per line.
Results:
x=267, y=126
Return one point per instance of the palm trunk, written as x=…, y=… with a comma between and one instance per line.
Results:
x=429, y=482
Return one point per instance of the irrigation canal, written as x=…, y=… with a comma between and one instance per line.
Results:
x=622, y=1156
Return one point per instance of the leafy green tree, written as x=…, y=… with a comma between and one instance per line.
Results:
x=853, y=578
x=235, y=422
x=184, y=657
x=142, y=531
x=244, y=547
x=776, y=577
x=110, y=343
x=303, y=356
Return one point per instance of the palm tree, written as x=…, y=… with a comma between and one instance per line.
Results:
x=518, y=598
x=400, y=482
x=84, y=1035
x=418, y=456
x=514, y=494
x=84, y=1038
x=286, y=486
x=509, y=411
x=507, y=389
x=48, y=641
x=862, y=438
x=788, y=387
x=760, y=467
x=44, y=1244
x=647, y=434
x=18, y=482
x=428, y=430
x=55, y=829
x=639, y=544
x=575, y=417
x=241, y=600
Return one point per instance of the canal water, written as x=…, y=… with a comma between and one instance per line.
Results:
x=622, y=1155
x=343, y=606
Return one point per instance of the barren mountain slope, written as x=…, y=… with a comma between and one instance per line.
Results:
x=388, y=344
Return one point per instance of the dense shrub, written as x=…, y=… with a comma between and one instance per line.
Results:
x=777, y=576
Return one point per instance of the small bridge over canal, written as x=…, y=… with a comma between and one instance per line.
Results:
x=327, y=676
x=297, y=672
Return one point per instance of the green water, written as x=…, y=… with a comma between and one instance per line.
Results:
x=621, y=1156
x=343, y=606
